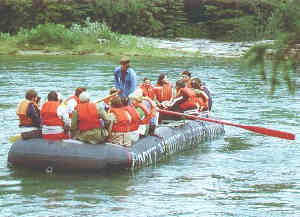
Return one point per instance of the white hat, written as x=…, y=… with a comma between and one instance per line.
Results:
x=84, y=97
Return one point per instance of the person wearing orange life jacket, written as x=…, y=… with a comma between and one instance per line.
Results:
x=72, y=101
x=55, y=118
x=187, y=78
x=198, y=84
x=88, y=121
x=113, y=93
x=135, y=119
x=147, y=110
x=120, y=129
x=200, y=94
x=148, y=89
x=29, y=116
x=28, y=111
x=163, y=90
x=186, y=98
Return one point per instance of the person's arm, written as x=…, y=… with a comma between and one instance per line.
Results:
x=104, y=115
x=63, y=114
x=71, y=104
x=34, y=115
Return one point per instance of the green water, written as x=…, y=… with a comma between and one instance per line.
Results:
x=240, y=174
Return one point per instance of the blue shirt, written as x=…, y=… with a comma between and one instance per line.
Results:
x=128, y=85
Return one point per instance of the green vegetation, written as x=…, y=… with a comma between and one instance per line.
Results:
x=285, y=51
x=90, y=37
x=138, y=17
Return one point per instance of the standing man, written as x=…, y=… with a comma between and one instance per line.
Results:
x=125, y=78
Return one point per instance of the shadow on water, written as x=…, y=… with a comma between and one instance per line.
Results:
x=84, y=185
x=234, y=144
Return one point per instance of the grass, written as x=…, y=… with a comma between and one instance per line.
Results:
x=89, y=38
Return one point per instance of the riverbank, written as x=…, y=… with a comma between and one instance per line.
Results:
x=180, y=47
x=95, y=38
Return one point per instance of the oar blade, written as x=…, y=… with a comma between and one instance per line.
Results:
x=270, y=132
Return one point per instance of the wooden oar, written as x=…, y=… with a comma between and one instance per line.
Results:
x=107, y=97
x=261, y=130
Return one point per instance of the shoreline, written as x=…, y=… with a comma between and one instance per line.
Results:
x=180, y=47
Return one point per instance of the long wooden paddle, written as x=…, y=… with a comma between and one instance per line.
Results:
x=107, y=97
x=261, y=130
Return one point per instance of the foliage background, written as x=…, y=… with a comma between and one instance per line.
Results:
x=230, y=20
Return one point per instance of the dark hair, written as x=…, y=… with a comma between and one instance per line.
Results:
x=116, y=102
x=38, y=99
x=113, y=90
x=196, y=83
x=124, y=100
x=186, y=73
x=30, y=94
x=79, y=90
x=52, y=96
x=145, y=79
x=160, y=78
x=180, y=84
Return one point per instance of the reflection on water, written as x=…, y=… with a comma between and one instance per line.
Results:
x=242, y=174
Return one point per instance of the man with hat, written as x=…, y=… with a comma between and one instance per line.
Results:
x=125, y=78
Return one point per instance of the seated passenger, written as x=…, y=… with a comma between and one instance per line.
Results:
x=73, y=101
x=112, y=94
x=87, y=121
x=201, y=95
x=29, y=115
x=28, y=111
x=187, y=78
x=147, y=88
x=119, y=132
x=163, y=90
x=55, y=118
x=200, y=85
x=135, y=119
x=147, y=110
x=185, y=99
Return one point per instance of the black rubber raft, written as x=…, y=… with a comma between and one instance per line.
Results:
x=73, y=155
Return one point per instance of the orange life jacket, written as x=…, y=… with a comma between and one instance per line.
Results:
x=148, y=90
x=135, y=118
x=191, y=102
x=22, y=112
x=203, y=102
x=122, y=123
x=49, y=117
x=164, y=92
x=149, y=113
x=49, y=114
x=88, y=117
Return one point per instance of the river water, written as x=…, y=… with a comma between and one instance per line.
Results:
x=240, y=174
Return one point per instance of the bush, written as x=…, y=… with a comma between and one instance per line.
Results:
x=48, y=34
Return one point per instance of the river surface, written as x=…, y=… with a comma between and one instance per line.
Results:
x=239, y=174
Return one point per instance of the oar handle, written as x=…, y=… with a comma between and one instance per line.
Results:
x=107, y=97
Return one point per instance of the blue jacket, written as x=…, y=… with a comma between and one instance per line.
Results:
x=129, y=85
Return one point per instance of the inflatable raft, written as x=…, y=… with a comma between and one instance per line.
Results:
x=73, y=155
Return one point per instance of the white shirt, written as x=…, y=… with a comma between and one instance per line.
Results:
x=70, y=106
